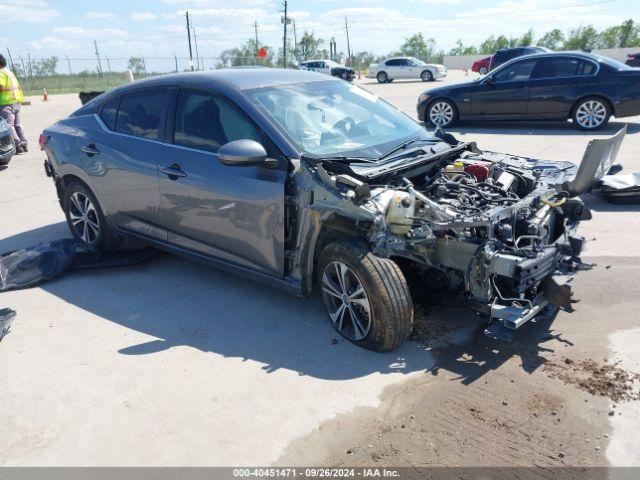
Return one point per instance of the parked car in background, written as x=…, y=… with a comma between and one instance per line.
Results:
x=481, y=66
x=404, y=68
x=633, y=60
x=329, y=67
x=505, y=54
x=551, y=86
x=7, y=145
x=304, y=181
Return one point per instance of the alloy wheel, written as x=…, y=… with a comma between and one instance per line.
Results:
x=483, y=71
x=84, y=218
x=427, y=76
x=346, y=301
x=441, y=114
x=591, y=114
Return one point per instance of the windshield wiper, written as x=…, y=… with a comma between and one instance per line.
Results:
x=338, y=158
x=402, y=146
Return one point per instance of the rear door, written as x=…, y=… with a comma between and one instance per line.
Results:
x=125, y=159
x=555, y=83
x=235, y=214
x=503, y=94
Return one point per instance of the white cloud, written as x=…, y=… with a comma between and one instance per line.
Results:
x=92, y=33
x=142, y=16
x=46, y=43
x=27, y=11
x=101, y=16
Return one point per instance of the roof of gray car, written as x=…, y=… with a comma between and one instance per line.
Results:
x=240, y=78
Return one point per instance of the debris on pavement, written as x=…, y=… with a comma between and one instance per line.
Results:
x=605, y=380
x=48, y=260
x=426, y=328
x=6, y=318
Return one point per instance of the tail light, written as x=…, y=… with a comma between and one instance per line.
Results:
x=43, y=140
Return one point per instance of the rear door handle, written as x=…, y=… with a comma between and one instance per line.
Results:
x=90, y=150
x=173, y=171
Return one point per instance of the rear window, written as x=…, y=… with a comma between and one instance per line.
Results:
x=140, y=113
x=109, y=112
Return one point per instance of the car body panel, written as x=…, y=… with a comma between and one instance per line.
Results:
x=541, y=98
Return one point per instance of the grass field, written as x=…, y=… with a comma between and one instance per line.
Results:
x=57, y=84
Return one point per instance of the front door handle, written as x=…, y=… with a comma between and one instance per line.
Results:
x=173, y=171
x=90, y=150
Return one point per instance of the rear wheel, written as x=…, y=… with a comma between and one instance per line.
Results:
x=426, y=76
x=591, y=113
x=85, y=218
x=366, y=297
x=483, y=70
x=382, y=77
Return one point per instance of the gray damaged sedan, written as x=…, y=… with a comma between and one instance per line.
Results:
x=296, y=180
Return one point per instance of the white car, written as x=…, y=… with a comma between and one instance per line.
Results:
x=406, y=67
x=328, y=67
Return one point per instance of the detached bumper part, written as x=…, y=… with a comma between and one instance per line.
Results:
x=514, y=317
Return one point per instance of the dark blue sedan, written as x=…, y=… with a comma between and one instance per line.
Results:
x=551, y=86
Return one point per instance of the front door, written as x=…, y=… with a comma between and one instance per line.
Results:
x=504, y=94
x=235, y=214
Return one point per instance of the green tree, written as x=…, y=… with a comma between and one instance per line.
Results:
x=553, y=40
x=246, y=54
x=310, y=47
x=461, y=49
x=136, y=64
x=582, y=38
x=419, y=47
x=627, y=34
x=526, y=40
x=45, y=67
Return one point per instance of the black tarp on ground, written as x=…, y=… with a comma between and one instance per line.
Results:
x=32, y=265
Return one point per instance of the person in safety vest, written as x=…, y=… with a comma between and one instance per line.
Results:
x=10, y=102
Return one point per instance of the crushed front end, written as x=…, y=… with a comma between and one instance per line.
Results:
x=497, y=232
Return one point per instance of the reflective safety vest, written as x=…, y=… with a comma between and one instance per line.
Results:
x=10, y=91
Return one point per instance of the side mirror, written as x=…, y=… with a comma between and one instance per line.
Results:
x=242, y=153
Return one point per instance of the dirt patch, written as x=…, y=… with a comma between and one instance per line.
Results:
x=600, y=379
x=427, y=327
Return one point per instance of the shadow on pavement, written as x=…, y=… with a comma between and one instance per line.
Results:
x=599, y=204
x=473, y=361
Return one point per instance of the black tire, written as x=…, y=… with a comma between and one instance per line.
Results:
x=601, y=113
x=426, y=76
x=100, y=241
x=386, y=292
x=5, y=161
x=436, y=104
x=382, y=77
x=483, y=70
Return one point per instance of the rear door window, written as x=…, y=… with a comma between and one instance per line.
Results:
x=394, y=63
x=140, y=113
x=206, y=121
x=109, y=112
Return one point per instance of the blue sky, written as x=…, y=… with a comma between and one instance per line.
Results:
x=155, y=28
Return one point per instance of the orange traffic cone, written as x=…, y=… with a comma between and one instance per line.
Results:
x=46, y=96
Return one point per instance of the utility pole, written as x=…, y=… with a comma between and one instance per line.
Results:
x=285, y=21
x=189, y=37
x=98, y=57
x=108, y=64
x=13, y=67
x=175, y=57
x=346, y=27
x=69, y=65
x=255, y=28
x=195, y=40
x=26, y=74
x=295, y=39
x=144, y=65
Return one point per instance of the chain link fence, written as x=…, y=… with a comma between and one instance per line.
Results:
x=72, y=75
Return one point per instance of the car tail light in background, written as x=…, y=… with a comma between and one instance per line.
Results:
x=43, y=140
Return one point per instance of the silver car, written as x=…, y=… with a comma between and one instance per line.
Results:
x=299, y=180
x=406, y=68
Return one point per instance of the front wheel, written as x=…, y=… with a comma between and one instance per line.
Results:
x=483, y=70
x=441, y=113
x=366, y=297
x=85, y=218
x=591, y=113
x=382, y=77
x=427, y=76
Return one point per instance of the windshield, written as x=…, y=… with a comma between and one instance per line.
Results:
x=335, y=118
